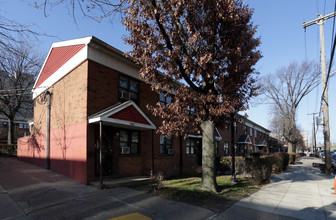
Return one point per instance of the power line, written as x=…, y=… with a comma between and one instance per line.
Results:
x=333, y=44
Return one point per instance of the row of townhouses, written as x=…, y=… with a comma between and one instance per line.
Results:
x=89, y=91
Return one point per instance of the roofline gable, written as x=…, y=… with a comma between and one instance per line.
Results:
x=104, y=116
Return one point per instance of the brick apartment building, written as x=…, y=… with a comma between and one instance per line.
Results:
x=96, y=91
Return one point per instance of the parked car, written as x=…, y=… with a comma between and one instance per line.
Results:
x=320, y=152
x=333, y=160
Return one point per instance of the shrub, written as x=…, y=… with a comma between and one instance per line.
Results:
x=256, y=154
x=8, y=149
x=261, y=169
x=292, y=157
x=280, y=162
x=225, y=164
x=156, y=182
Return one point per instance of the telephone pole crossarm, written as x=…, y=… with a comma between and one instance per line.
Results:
x=317, y=20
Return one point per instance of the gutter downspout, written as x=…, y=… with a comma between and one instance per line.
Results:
x=48, y=94
x=101, y=154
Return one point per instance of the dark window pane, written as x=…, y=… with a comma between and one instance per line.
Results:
x=162, y=149
x=123, y=136
x=162, y=97
x=123, y=82
x=168, y=99
x=133, y=86
x=133, y=96
x=169, y=140
x=135, y=137
x=134, y=148
x=162, y=139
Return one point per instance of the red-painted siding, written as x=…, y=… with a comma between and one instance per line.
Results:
x=130, y=114
x=57, y=58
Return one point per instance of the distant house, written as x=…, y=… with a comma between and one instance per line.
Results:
x=96, y=94
x=21, y=128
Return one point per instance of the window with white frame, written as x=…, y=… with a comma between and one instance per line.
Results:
x=251, y=132
x=255, y=133
x=235, y=126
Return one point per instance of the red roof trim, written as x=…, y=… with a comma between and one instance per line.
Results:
x=57, y=58
x=130, y=114
x=248, y=139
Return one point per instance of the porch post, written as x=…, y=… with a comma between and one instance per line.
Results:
x=181, y=155
x=101, y=153
x=153, y=160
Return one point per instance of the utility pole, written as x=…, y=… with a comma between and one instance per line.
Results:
x=314, y=133
x=326, y=130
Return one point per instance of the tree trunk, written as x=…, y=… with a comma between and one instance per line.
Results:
x=233, y=153
x=10, y=137
x=290, y=148
x=208, y=156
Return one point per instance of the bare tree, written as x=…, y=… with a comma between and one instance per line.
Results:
x=285, y=89
x=279, y=128
x=94, y=9
x=18, y=69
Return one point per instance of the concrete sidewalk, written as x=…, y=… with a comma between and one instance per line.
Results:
x=301, y=192
x=31, y=192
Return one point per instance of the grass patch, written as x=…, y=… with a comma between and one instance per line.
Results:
x=188, y=190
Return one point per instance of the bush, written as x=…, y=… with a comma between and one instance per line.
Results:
x=292, y=157
x=8, y=149
x=280, y=162
x=225, y=164
x=156, y=182
x=261, y=169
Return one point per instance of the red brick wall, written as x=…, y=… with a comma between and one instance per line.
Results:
x=68, y=127
x=102, y=93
